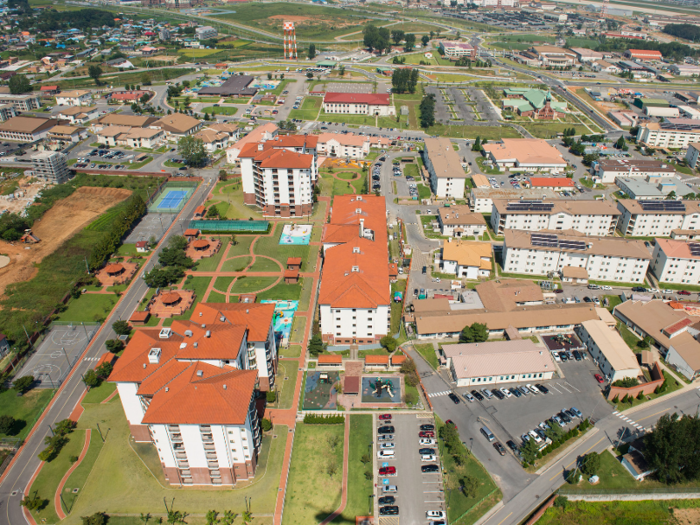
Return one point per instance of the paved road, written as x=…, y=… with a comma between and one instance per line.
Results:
x=19, y=475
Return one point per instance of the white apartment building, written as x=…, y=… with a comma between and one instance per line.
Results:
x=355, y=294
x=51, y=166
x=213, y=140
x=279, y=175
x=79, y=97
x=447, y=177
x=604, y=258
x=676, y=262
x=597, y=218
x=206, y=32
x=609, y=169
x=693, y=154
x=481, y=199
x=668, y=134
x=457, y=50
x=190, y=390
x=606, y=346
x=373, y=104
x=21, y=102
x=348, y=146
x=459, y=221
x=657, y=218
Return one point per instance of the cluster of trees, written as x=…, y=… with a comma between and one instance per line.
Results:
x=11, y=426
x=316, y=345
x=453, y=443
x=51, y=20
x=133, y=211
x=19, y=84
x=192, y=150
x=377, y=38
x=427, y=111
x=670, y=50
x=476, y=333
x=404, y=80
x=94, y=378
x=410, y=377
x=34, y=502
x=529, y=452
x=312, y=51
x=57, y=441
x=686, y=31
x=479, y=144
x=12, y=226
x=173, y=262
x=621, y=144
x=227, y=518
x=467, y=62
x=95, y=72
x=99, y=518
x=388, y=343
x=320, y=419
x=673, y=448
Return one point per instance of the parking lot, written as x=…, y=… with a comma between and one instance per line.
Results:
x=112, y=159
x=417, y=492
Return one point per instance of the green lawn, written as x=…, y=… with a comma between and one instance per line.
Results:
x=298, y=329
x=428, y=352
x=359, y=488
x=100, y=393
x=282, y=292
x=251, y=284
x=221, y=110
x=241, y=245
x=271, y=247
x=199, y=285
x=549, y=130
x=222, y=283
x=650, y=512
x=210, y=264
x=88, y=308
x=485, y=132
x=50, y=476
x=262, y=264
x=216, y=297
x=26, y=408
x=286, y=388
x=423, y=191
x=629, y=337
x=674, y=286
x=315, y=474
x=291, y=351
x=306, y=290
x=123, y=481
x=462, y=508
x=79, y=476
x=613, y=301
x=309, y=109
x=236, y=265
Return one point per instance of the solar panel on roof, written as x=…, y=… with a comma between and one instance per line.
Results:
x=658, y=205
x=694, y=249
x=572, y=245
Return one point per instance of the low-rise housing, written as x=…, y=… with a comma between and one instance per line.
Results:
x=587, y=217
x=676, y=261
x=468, y=259
x=26, y=129
x=235, y=86
x=525, y=155
x=460, y=221
x=230, y=128
x=607, y=170
x=657, y=218
x=374, y=104
x=343, y=145
x=548, y=253
x=552, y=56
x=213, y=140
x=609, y=350
x=496, y=362
x=67, y=133
x=585, y=55
x=457, y=50
x=447, y=177
x=79, y=97
x=669, y=134
x=79, y=114
x=178, y=125
x=128, y=96
x=481, y=199
x=22, y=103
x=685, y=70
x=552, y=183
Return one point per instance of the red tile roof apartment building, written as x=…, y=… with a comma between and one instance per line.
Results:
x=359, y=104
x=190, y=390
x=279, y=174
x=355, y=295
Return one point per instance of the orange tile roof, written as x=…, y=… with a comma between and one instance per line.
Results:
x=203, y=394
x=133, y=366
x=256, y=316
x=376, y=359
x=548, y=182
x=139, y=317
x=191, y=232
x=224, y=340
x=293, y=260
x=330, y=359
x=397, y=359
x=291, y=273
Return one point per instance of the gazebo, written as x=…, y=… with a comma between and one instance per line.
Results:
x=114, y=269
x=200, y=245
x=171, y=298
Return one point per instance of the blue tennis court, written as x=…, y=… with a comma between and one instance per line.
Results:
x=172, y=199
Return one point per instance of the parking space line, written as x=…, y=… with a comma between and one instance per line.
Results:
x=551, y=386
x=572, y=386
x=564, y=388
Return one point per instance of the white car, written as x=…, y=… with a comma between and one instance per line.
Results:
x=426, y=442
x=535, y=436
x=669, y=291
x=533, y=389
x=428, y=457
x=506, y=392
x=556, y=357
x=386, y=437
x=386, y=454
x=433, y=515
x=390, y=489
x=606, y=287
x=387, y=446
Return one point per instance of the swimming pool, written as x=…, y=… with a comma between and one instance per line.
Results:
x=296, y=234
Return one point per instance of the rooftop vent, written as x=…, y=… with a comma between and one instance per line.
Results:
x=195, y=344
x=167, y=389
x=224, y=386
x=203, y=325
x=222, y=319
x=200, y=373
x=247, y=311
x=208, y=333
x=355, y=268
x=188, y=333
x=200, y=314
x=356, y=249
x=183, y=346
x=165, y=333
x=154, y=355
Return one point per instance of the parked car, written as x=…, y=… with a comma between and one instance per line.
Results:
x=506, y=392
x=542, y=388
x=426, y=434
x=385, y=430
x=390, y=489
x=576, y=412
x=683, y=292
x=387, y=471
x=477, y=395
x=384, y=417
x=435, y=515
x=428, y=457
x=454, y=398
x=429, y=468
x=450, y=422
x=386, y=454
x=389, y=510
x=498, y=394
x=499, y=448
x=427, y=427
x=516, y=392
x=426, y=442
x=469, y=397
x=386, y=500
x=423, y=451
x=511, y=445
x=387, y=446
x=599, y=378
x=386, y=437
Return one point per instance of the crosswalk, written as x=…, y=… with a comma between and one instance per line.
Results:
x=91, y=359
x=629, y=421
x=438, y=394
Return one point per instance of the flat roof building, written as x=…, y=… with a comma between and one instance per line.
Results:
x=640, y=189
x=372, y=104
x=525, y=155
x=447, y=177
x=609, y=169
x=606, y=346
x=496, y=362
x=236, y=86
x=669, y=134
x=481, y=199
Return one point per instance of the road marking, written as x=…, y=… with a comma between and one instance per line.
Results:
x=615, y=413
x=572, y=386
x=437, y=394
x=552, y=388
x=564, y=388
x=504, y=519
x=655, y=413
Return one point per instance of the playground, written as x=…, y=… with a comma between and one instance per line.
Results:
x=320, y=392
x=378, y=389
x=283, y=317
x=57, y=353
x=562, y=342
x=296, y=234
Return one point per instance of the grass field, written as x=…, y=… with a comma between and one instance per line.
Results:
x=471, y=132
x=221, y=110
x=286, y=388
x=25, y=409
x=271, y=247
x=251, y=284
x=236, y=265
x=359, y=488
x=659, y=512
x=315, y=474
x=549, y=130
x=209, y=264
x=263, y=264
x=88, y=308
x=309, y=109
x=282, y=292
x=428, y=352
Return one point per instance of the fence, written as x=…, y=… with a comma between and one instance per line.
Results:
x=645, y=388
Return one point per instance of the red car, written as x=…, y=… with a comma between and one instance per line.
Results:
x=599, y=378
x=384, y=417
x=426, y=434
x=450, y=422
x=683, y=292
x=387, y=471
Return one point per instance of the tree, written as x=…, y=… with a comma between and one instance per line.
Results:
x=590, y=464
x=114, y=345
x=192, y=150
x=309, y=75
x=469, y=485
x=34, y=502
x=590, y=158
x=480, y=332
x=466, y=336
x=397, y=36
x=23, y=384
x=162, y=277
x=673, y=447
x=99, y=518
x=312, y=51
x=104, y=370
x=121, y=327
x=389, y=343
x=341, y=71
x=266, y=425
x=529, y=451
x=91, y=379
x=425, y=39
x=410, y=42
x=19, y=84
x=7, y=423
x=95, y=72
x=477, y=144
x=316, y=345
x=427, y=111
x=213, y=213
x=212, y=517
x=620, y=144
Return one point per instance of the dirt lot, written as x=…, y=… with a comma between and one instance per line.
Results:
x=30, y=190
x=687, y=516
x=61, y=222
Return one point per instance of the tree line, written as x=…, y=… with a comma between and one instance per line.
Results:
x=404, y=80
x=686, y=31
x=122, y=223
x=427, y=111
x=173, y=263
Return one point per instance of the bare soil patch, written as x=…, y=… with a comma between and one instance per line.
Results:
x=687, y=516
x=62, y=221
x=290, y=18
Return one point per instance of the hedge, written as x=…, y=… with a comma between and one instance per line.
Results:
x=313, y=419
x=574, y=432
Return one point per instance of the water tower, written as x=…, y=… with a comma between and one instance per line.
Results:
x=290, y=41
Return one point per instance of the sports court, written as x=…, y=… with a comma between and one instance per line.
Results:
x=172, y=197
x=151, y=225
x=211, y=226
x=57, y=353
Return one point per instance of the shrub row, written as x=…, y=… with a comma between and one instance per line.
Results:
x=313, y=419
x=121, y=224
x=574, y=432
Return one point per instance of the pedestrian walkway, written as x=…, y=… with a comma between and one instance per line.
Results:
x=438, y=394
x=629, y=421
